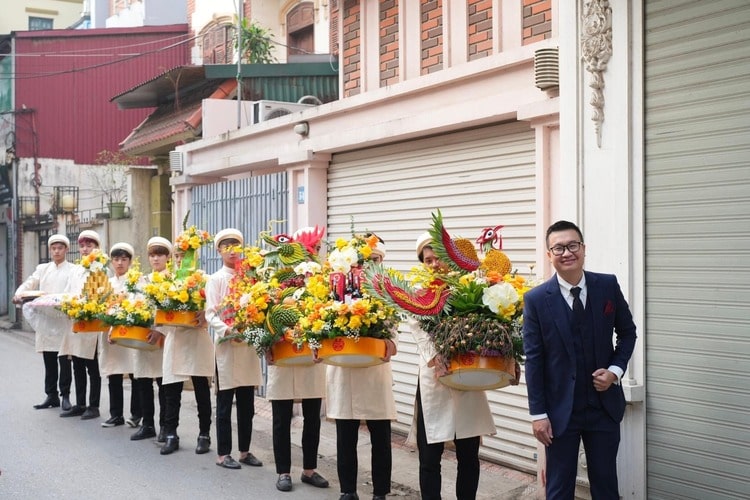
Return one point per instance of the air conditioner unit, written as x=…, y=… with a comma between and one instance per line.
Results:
x=268, y=110
x=176, y=161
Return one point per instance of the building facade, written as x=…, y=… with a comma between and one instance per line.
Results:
x=645, y=147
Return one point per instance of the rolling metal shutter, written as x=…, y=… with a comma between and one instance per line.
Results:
x=478, y=178
x=697, y=116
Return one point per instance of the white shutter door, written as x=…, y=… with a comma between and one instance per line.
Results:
x=478, y=178
x=697, y=338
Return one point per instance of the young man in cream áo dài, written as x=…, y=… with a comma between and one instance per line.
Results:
x=50, y=278
x=237, y=365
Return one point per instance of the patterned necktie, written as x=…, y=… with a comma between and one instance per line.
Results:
x=577, y=305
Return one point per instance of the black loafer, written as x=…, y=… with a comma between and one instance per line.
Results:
x=171, y=444
x=315, y=479
x=90, y=413
x=50, y=402
x=250, y=459
x=75, y=411
x=284, y=483
x=204, y=442
x=349, y=496
x=145, y=432
x=229, y=463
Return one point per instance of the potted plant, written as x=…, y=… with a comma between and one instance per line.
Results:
x=110, y=179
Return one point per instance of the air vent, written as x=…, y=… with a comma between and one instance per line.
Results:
x=546, y=68
x=176, y=161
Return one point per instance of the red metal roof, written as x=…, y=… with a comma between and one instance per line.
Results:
x=67, y=77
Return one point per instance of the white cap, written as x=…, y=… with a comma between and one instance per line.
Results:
x=227, y=234
x=379, y=249
x=159, y=241
x=122, y=246
x=423, y=240
x=88, y=234
x=58, y=238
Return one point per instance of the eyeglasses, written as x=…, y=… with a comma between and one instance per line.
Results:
x=572, y=247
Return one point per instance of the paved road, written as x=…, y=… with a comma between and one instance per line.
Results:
x=43, y=456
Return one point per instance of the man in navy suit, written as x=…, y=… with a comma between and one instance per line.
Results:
x=573, y=369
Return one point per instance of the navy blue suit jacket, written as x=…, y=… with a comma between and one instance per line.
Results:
x=550, y=355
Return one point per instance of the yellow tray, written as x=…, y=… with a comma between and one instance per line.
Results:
x=351, y=353
x=471, y=372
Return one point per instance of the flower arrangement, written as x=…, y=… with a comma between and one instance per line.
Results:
x=127, y=310
x=79, y=308
x=335, y=304
x=167, y=292
x=92, y=300
x=351, y=253
x=94, y=262
x=467, y=304
x=261, y=306
x=188, y=242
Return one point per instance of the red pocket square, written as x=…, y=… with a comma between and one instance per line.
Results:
x=609, y=308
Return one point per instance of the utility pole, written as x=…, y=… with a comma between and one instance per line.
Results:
x=240, y=9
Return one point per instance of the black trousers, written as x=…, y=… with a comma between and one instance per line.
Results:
x=116, y=398
x=80, y=367
x=51, y=361
x=467, y=456
x=173, y=401
x=282, y=441
x=346, y=450
x=145, y=389
x=245, y=397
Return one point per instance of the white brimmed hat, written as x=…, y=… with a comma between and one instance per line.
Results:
x=127, y=247
x=88, y=234
x=58, y=238
x=159, y=241
x=423, y=240
x=229, y=233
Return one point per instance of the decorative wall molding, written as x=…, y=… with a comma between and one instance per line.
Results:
x=596, y=49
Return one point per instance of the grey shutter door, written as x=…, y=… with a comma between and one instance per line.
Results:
x=697, y=174
x=478, y=178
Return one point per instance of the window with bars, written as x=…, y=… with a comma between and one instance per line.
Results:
x=40, y=23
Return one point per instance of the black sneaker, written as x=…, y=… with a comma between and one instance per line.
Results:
x=114, y=422
x=133, y=421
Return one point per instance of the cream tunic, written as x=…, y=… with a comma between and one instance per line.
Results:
x=187, y=352
x=237, y=364
x=82, y=345
x=49, y=327
x=448, y=413
x=147, y=364
x=296, y=382
x=360, y=393
x=115, y=359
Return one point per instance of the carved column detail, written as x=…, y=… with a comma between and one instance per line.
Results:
x=596, y=49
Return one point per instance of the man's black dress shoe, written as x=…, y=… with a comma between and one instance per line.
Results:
x=204, y=442
x=145, y=432
x=315, y=479
x=378, y=497
x=250, y=459
x=284, y=482
x=229, y=463
x=349, y=496
x=65, y=406
x=50, y=402
x=75, y=411
x=171, y=444
x=162, y=437
x=91, y=412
